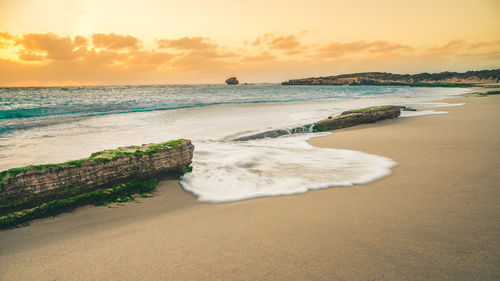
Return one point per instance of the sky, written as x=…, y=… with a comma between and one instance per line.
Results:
x=87, y=42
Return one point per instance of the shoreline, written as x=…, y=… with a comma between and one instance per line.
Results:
x=435, y=217
x=54, y=143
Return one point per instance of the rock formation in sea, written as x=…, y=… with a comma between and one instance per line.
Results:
x=232, y=81
x=277, y=133
x=355, y=117
x=346, y=119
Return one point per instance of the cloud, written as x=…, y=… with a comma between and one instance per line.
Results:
x=27, y=56
x=6, y=36
x=483, y=44
x=448, y=48
x=80, y=40
x=263, y=56
x=284, y=43
x=290, y=45
x=385, y=47
x=113, y=50
x=48, y=46
x=194, y=48
x=103, y=57
x=337, y=49
x=111, y=55
x=148, y=61
x=193, y=62
x=186, y=43
x=114, y=58
x=212, y=54
x=114, y=41
x=262, y=39
x=6, y=39
x=483, y=56
x=277, y=42
x=457, y=46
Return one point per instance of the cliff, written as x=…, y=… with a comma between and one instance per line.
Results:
x=356, y=117
x=421, y=79
x=25, y=187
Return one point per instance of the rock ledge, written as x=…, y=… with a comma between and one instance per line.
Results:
x=359, y=116
x=30, y=186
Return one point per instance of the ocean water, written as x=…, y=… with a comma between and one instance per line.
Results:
x=49, y=125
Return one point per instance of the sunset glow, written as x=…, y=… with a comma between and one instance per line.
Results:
x=156, y=42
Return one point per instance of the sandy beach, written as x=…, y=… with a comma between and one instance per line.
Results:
x=435, y=218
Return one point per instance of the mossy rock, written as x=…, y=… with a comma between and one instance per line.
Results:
x=98, y=157
x=358, y=116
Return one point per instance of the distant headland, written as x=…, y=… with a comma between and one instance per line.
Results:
x=421, y=79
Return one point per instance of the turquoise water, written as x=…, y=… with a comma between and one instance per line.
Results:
x=22, y=108
x=53, y=125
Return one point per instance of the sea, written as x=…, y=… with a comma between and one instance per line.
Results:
x=40, y=125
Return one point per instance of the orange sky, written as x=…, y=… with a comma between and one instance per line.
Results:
x=192, y=41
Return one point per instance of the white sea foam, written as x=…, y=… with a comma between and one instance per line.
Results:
x=231, y=171
x=420, y=113
x=441, y=104
x=428, y=112
x=225, y=171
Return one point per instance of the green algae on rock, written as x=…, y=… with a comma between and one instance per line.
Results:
x=33, y=185
x=117, y=193
x=359, y=116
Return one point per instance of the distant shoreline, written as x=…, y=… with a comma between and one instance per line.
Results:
x=442, y=79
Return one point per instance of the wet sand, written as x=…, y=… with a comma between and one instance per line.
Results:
x=436, y=218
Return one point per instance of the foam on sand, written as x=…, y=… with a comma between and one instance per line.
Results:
x=420, y=113
x=229, y=171
x=429, y=112
x=441, y=104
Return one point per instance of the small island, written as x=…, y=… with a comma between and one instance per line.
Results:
x=232, y=81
